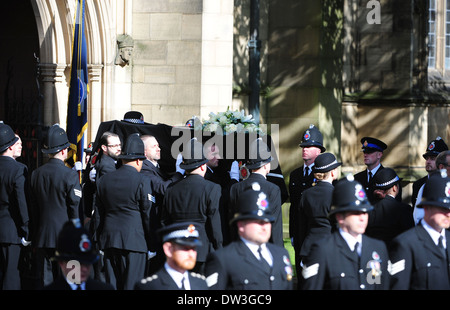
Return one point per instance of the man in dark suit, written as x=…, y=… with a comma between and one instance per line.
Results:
x=195, y=199
x=259, y=165
x=419, y=256
x=251, y=262
x=159, y=183
x=180, y=242
x=56, y=193
x=315, y=203
x=75, y=255
x=347, y=259
x=123, y=200
x=299, y=180
x=434, y=148
x=373, y=152
x=13, y=209
x=389, y=216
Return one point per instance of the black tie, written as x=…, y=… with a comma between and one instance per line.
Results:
x=441, y=246
x=355, y=252
x=182, y=283
x=370, y=176
x=79, y=287
x=263, y=261
x=306, y=171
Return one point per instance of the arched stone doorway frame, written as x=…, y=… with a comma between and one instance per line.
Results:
x=54, y=20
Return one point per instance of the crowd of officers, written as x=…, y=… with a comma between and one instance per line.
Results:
x=132, y=226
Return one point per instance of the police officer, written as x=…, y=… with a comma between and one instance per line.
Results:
x=434, y=148
x=75, y=255
x=56, y=192
x=123, y=201
x=373, y=152
x=251, y=262
x=195, y=199
x=259, y=166
x=13, y=209
x=347, y=259
x=315, y=203
x=301, y=179
x=389, y=216
x=180, y=242
x=419, y=256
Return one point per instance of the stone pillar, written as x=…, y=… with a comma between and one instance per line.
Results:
x=52, y=89
x=94, y=101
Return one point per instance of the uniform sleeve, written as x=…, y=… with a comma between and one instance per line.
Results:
x=277, y=226
x=21, y=185
x=213, y=215
x=216, y=274
x=400, y=266
x=73, y=195
x=314, y=268
x=145, y=204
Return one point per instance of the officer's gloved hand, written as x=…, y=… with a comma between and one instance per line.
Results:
x=78, y=166
x=92, y=174
x=150, y=255
x=177, y=164
x=234, y=171
x=24, y=242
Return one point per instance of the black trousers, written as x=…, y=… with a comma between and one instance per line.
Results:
x=124, y=268
x=9, y=266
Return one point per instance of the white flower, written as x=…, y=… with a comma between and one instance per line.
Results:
x=223, y=120
x=230, y=128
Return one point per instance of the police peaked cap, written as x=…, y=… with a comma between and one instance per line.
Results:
x=349, y=195
x=183, y=233
x=134, y=148
x=435, y=147
x=74, y=243
x=252, y=204
x=325, y=162
x=386, y=178
x=7, y=137
x=134, y=117
x=370, y=144
x=259, y=154
x=436, y=191
x=56, y=140
x=312, y=137
x=193, y=155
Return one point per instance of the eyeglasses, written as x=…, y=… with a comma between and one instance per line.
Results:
x=114, y=145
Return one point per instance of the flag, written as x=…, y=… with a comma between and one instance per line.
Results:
x=78, y=90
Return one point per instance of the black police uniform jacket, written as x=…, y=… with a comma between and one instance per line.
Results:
x=417, y=263
x=123, y=201
x=235, y=267
x=313, y=221
x=332, y=265
x=195, y=199
x=369, y=187
x=56, y=193
x=297, y=184
x=161, y=280
x=273, y=196
x=13, y=201
x=388, y=219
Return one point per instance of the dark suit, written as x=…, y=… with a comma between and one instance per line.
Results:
x=314, y=223
x=388, y=219
x=123, y=201
x=362, y=178
x=61, y=284
x=417, y=263
x=56, y=193
x=195, y=199
x=332, y=265
x=159, y=183
x=13, y=219
x=235, y=267
x=161, y=280
x=273, y=196
x=297, y=184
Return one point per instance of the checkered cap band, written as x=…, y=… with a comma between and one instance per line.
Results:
x=183, y=233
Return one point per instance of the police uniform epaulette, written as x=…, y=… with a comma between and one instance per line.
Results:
x=197, y=275
x=149, y=279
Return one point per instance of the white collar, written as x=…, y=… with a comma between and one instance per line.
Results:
x=351, y=241
x=178, y=276
x=374, y=170
x=433, y=233
x=254, y=249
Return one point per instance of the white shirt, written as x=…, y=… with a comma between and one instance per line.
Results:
x=74, y=286
x=351, y=241
x=178, y=277
x=310, y=168
x=435, y=235
x=264, y=251
x=374, y=170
